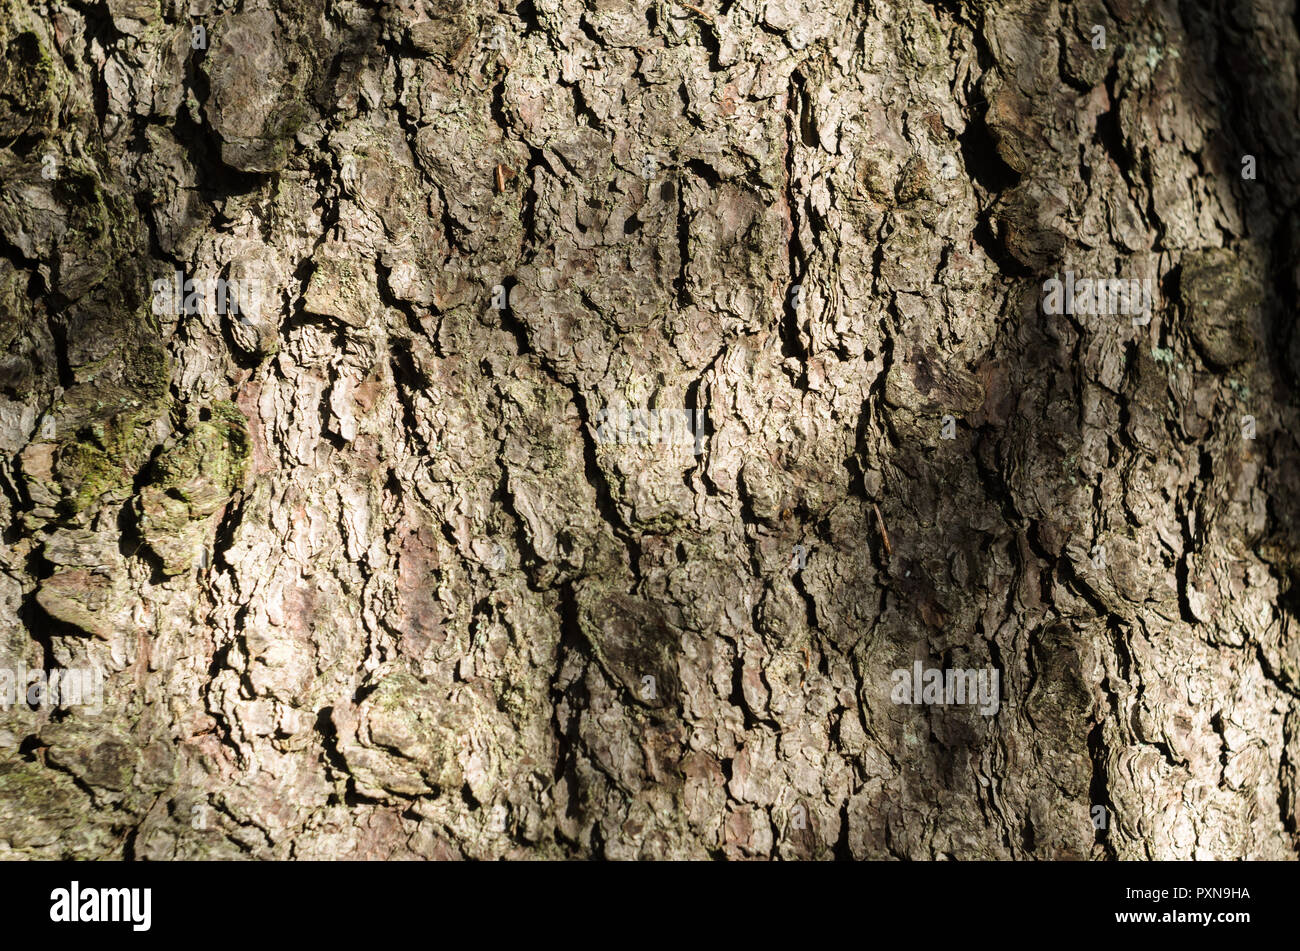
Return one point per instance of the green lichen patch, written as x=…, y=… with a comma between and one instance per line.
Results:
x=24, y=342
x=340, y=288
x=43, y=813
x=110, y=437
x=260, y=74
x=28, y=80
x=206, y=467
x=86, y=600
x=98, y=241
x=406, y=739
x=190, y=482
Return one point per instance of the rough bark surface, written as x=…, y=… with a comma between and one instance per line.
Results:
x=362, y=576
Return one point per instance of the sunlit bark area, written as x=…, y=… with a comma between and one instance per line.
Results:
x=795, y=429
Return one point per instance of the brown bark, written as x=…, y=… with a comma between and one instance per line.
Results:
x=379, y=568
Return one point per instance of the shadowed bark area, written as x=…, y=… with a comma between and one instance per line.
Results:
x=624, y=404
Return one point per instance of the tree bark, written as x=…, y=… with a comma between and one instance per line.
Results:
x=624, y=402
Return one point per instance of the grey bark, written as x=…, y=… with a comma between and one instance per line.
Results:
x=364, y=574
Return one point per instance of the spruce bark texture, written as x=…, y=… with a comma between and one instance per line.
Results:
x=371, y=566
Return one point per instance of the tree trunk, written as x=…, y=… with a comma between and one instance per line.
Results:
x=627, y=409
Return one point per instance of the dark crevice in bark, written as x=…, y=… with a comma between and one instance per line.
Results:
x=40, y=626
x=100, y=30
x=328, y=737
x=408, y=381
x=1099, y=791
x=792, y=346
x=583, y=109
x=681, y=282
x=58, y=332
x=1289, y=773
x=600, y=483
x=703, y=426
x=1110, y=136
x=528, y=205
x=567, y=740
x=529, y=558
x=981, y=160
x=510, y=321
